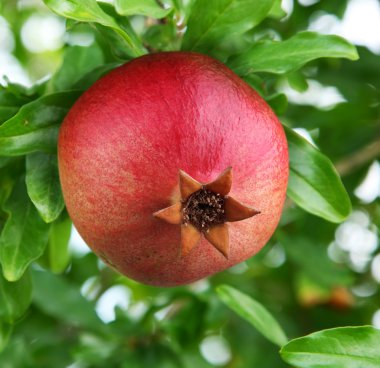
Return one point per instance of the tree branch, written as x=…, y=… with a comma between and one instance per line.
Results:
x=354, y=161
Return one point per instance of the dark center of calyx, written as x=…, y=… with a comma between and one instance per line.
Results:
x=204, y=209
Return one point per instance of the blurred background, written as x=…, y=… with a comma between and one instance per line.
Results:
x=312, y=275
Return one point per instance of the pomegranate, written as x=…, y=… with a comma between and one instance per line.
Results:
x=141, y=159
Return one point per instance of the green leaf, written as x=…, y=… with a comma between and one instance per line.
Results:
x=6, y=185
x=5, y=333
x=60, y=299
x=277, y=12
x=297, y=246
x=57, y=254
x=77, y=61
x=211, y=21
x=254, y=313
x=35, y=127
x=22, y=91
x=278, y=102
x=162, y=37
x=297, y=81
x=15, y=298
x=150, y=8
x=87, y=80
x=42, y=182
x=290, y=55
x=257, y=83
x=90, y=11
x=314, y=184
x=24, y=236
x=344, y=347
x=4, y=161
x=10, y=104
x=118, y=44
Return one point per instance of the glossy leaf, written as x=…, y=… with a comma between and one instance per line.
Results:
x=253, y=312
x=57, y=254
x=314, y=184
x=211, y=21
x=150, y=8
x=35, y=126
x=24, y=235
x=58, y=298
x=287, y=56
x=344, y=347
x=90, y=11
x=117, y=44
x=42, y=182
x=77, y=61
x=15, y=298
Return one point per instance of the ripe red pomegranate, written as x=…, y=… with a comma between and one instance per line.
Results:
x=121, y=148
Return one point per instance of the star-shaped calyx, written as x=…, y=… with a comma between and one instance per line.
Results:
x=204, y=209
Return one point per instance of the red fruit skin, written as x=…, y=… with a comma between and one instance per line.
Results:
x=123, y=142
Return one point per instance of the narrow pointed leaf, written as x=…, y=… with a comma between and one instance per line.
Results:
x=57, y=256
x=119, y=45
x=343, y=347
x=90, y=11
x=10, y=104
x=150, y=8
x=15, y=298
x=253, y=312
x=42, y=182
x=77, y=61
x=24, y=235
x=287, y=56
x=314, y=184
x=35, y=127
x=211, y=21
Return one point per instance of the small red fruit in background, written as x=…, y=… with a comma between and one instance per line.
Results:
x=121, y=149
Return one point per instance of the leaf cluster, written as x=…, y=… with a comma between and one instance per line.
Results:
x=266, y=48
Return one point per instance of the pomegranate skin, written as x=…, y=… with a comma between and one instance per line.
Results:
x=123, y=142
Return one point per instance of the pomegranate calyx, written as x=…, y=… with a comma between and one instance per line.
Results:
x=171, y=214
x=218, y=236
x=187, y=185
x=237, y=211
x=190, y=237
x=222, y=184
x=205, y=209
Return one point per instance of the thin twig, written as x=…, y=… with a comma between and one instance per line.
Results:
x=357, y=159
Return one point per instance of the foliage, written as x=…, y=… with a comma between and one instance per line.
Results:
x=50, y=295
